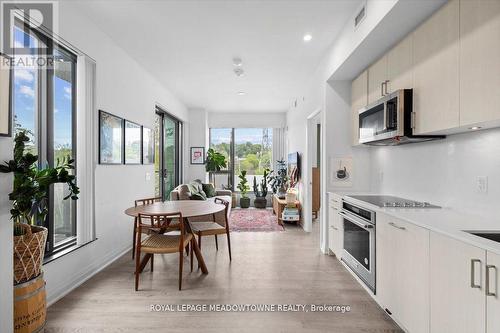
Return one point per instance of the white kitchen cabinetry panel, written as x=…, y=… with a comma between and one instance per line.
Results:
x=492, y=298
x=457, y=297
x=436, y=71
x=335, y=227
x=403, y=272
x=400, y=65
x=479, y=61
x=359, y=99
x=377, y=77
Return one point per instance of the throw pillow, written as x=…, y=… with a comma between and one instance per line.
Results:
x=196, y=189
x=198, y=196
x=184, y=193
x=209, y=190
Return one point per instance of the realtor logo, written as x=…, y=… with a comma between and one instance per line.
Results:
x=19, y=16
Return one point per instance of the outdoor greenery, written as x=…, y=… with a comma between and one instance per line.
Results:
x=263, y=185
x=243, y=184
x=252, y=157
x=278, y=179
x=31, y=184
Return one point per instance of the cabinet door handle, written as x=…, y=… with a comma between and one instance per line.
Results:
x=386, y=82
x=392, y=224
x=382, y=89
x=473, y=284
x=488, y=291
x=334, y=228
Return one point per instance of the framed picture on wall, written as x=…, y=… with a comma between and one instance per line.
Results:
x=197, y=155
x=148, y=147
x=5, y=96
x=133, y=143
x=110, y=138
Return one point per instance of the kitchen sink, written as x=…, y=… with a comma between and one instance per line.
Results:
x=491, y=235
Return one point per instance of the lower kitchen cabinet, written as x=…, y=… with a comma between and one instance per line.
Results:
x=492, y=298
x=403, y=272
x=457, y=296
x=335, y=228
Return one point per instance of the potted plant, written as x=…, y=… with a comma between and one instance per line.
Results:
x=244, y=188
x=215, y=161
x=278, y=179
x=29, y=205
x=260, y=195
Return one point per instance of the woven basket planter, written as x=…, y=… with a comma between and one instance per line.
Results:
x=29, y=250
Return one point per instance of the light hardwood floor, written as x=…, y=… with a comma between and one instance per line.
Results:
x=267, y=268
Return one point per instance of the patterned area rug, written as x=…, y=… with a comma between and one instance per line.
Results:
x=253, y=219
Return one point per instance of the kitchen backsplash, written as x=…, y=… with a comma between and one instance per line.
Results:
x=445, y=172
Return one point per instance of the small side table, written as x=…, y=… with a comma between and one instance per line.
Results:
x=279, y=205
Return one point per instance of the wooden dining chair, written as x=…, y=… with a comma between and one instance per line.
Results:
x=160, y=243
x=142, y=202
x=213, y=228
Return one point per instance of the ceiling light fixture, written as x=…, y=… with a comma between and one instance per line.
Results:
x=307, y=37
x=241, y=93
x=239, y=71
x=474, y=128
x=237, y=62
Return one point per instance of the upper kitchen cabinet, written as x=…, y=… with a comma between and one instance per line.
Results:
x=479, y=61
x=400, y=66
x=359, y=99
x=377, y=78
x=436, y=71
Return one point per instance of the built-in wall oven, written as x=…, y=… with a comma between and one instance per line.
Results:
x=359, y=241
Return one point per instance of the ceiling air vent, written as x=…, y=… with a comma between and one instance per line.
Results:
x=360, y=16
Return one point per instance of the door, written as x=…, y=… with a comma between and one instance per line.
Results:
x=168, y=158
x=359, y=99
x=492, y=297
x=403, y=272
x=400, y=66
x=377, y=75
x=479, y=61
x=457, y=297
x=436, y=71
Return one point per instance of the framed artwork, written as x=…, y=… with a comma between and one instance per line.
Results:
x=133, y=143
x=5, y=96
x=110, y=138
x=197, y=155
x=341, y=171
x=148, y=147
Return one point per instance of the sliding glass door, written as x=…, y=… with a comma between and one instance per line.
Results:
x=168, y=157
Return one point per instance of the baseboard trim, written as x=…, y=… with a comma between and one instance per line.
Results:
x=84, y=276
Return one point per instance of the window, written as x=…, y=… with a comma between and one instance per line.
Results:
x=44, y=105
x=247, y=149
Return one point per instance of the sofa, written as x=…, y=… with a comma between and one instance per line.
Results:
x=183, y=192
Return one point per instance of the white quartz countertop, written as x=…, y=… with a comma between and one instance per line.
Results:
x=446, y=221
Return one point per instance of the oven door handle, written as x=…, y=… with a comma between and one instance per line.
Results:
x=358, y=223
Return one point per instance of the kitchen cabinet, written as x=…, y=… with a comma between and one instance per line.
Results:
x=479, y=61
x=377, y=77
x=359, y=99
x=403, y=272
x=436, y=71
x=457, y=297
x=492, y=297
x=400, y=66
x=335, y=226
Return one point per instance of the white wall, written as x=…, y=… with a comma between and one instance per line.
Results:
x=6, y=245
x=127, y=90
x=246, y=120
x=198, y=137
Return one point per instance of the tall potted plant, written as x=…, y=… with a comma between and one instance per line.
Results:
x=29, y=205
x=260, y=195
x=244, y=188
x=278, y=179
x=215, y=161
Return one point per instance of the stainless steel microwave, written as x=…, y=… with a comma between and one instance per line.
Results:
x=390, y=121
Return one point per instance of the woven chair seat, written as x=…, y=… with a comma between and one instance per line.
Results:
x=207, y=228
x=157, y=243
x=174, y=225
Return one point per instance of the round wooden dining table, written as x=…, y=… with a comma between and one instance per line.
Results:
x=187, y=208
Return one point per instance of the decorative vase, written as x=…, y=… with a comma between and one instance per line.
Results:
x=260, y=202
x=29, y=250
x=30, y=306
x=245, y=202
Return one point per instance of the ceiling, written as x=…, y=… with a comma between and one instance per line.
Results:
x=189, y=46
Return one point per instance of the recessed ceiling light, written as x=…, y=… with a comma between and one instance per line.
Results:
x=239, y=71
x=307, y=38
x=475, y=128
x=237, y=62
x=241, y=93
